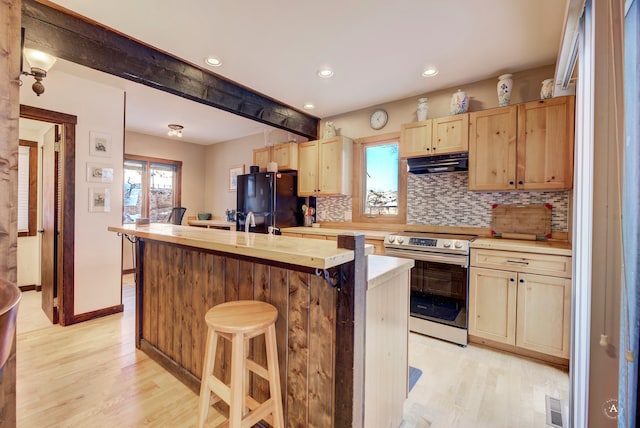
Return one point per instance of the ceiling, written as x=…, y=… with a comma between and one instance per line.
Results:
x=376, y=48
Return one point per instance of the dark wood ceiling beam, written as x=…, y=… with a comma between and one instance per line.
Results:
x=76, y=40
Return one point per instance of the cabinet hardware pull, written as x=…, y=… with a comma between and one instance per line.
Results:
x=512, y=279
x=522, y=280
x=520, y=262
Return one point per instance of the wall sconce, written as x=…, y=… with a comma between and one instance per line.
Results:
x=175, y=130
x=40, y=63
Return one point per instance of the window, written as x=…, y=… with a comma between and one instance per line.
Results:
x=27, y=187
x=151, y=188
x=379, y=180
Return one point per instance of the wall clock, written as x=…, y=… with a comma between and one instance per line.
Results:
x=378, y=119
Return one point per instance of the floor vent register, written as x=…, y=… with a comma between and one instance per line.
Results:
x=555, y=415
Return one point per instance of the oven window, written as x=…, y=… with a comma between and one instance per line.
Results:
x=439, y=292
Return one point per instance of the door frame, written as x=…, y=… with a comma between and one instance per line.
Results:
x=66, y=256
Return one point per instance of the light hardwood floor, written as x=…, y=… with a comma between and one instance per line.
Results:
x=91, y=375
x=479, y=387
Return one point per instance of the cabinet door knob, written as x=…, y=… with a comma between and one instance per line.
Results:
x=520, y=182
x=511, y=183
x=512, y=279
x=522, y=280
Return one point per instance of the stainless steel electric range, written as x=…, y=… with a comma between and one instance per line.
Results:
x=439, y=281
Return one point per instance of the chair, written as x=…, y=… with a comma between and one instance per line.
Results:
x=238, y=322
x=176, y=215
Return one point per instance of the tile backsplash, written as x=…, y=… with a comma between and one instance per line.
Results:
x=444, y=200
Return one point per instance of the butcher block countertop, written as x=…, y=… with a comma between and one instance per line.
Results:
x=561, y=248
x=301, y=252
x=325, y=231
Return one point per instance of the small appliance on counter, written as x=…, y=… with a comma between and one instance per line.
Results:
x=308, y=213
x=272, y=198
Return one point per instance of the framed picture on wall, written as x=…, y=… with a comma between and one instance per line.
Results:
x=99, y=200
x=99, y=173
x=100, y=144
x=234, y=172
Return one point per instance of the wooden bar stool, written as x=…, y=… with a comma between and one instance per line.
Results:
x=238, y=322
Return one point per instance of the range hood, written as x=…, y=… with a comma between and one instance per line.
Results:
x=453, y=162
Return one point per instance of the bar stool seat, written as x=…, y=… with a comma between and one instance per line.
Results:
x=238, y=322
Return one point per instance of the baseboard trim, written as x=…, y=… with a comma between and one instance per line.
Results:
x=96, y=314
x=28, y=287
x=171, y=366
x=557, y=362
x=128, y=271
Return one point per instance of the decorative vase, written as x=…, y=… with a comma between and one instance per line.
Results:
x=329, y=130
x=505, y=85
x=422, y=109
x=547, y=89
x=459, y=102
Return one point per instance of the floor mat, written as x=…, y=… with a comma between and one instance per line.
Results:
x=414, y=375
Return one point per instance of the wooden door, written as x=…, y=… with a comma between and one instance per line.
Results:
x=415, y=139
x=308, y=168
x=545, y=144
x=330, y=166
x=450, y=134
x=492, y=304
x=492, y=149
x=49, y=253
x=544, y=314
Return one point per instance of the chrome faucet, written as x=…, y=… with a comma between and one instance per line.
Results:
x=250, y=217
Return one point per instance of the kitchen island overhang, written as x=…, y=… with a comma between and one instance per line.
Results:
x=321, y=290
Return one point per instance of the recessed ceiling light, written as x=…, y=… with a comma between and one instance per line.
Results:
x=430, y=72
x=325, y=73
x=308, y=106
x=213, y=61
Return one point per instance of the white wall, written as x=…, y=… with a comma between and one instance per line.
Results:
x=482, y=95
x=97, y=251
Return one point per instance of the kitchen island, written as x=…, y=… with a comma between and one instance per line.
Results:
x=342, y=327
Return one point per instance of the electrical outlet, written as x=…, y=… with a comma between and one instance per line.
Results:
x=347, y=216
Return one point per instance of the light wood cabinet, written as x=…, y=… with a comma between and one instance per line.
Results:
x=415, y=139
x=261, y=157
x=325, y=167
x=510, y=305
x=443, y=135
x=285, y=154
x=525, y=147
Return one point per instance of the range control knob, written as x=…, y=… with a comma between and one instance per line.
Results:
x=458, y=244
x=391, y=239
x=447, y=244
x=400, y=240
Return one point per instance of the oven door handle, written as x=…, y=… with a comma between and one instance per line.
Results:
x=449, y=259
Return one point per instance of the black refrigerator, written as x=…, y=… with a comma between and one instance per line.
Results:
x=273, y=199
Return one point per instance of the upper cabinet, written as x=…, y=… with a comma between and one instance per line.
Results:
x=443, y=135
x=526, y=147
x=325, y=167
x=284, y=154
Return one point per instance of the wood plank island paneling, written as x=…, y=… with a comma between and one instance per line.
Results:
x=181, y=284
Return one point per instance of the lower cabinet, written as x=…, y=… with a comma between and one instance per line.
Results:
x=516, y=308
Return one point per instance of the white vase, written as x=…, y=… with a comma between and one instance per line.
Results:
x=547, y=89
x=459, y=102
x=422, y=110
x=505, y=85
